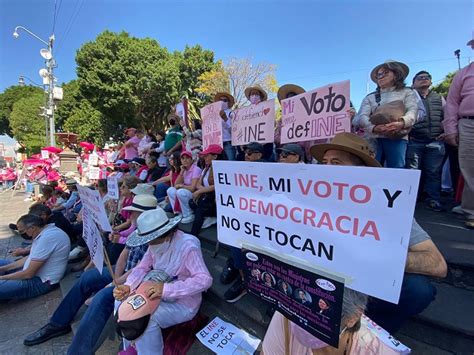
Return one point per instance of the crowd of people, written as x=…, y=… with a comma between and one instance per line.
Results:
x=166, y=180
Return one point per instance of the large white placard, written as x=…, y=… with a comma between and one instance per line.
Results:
x=354, y=222
x=92, y=201
x=112, y=187
x=91, y=235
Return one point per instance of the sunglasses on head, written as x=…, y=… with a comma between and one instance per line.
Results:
x=423, y=77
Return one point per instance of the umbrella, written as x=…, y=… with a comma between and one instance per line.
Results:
x=87, y=145
x=35, y=161
x=54, y=150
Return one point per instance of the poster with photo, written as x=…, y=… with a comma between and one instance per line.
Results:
x=310, y=300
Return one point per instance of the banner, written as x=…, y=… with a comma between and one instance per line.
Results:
x=94, y=173
x=350, y=221
x=92, y=201
x=226, y=339
x=91, y=235
x=254, y=123
x=112, y=187
x=310, y=300
x=317, y=114
x=211, y=124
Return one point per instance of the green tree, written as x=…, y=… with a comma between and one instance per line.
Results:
x=443, y=87
x=8, y=98
x=27, y=125
x=88, y=123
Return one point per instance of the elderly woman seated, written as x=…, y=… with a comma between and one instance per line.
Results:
x=285, y=337
x=177, y=258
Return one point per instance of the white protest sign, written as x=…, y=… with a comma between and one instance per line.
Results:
x=92, y=201
x=94, y=172
x=91, y=235
x=317, y=114
x=354, y=222
x=112, y=187
x=93, y=159
x=44, y=154
x=226, y=339
x=211, y=125
x=254, y=123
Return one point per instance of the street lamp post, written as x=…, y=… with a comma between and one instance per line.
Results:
x=47, y=54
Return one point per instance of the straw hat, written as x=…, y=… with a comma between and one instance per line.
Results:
x=142, y=203
x=289, y=88
x=259, y=89
x=151, y=225
x=143, y=189
x=391, y=64
x=346, y=142
x=225, y=94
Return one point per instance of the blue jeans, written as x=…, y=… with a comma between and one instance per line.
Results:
x=160, y=191
x=230, y=151
x=416, y=294
x=391, y=152
x=428, y=157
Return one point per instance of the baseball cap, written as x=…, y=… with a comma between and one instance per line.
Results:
x=255, y=147
x=292, y=148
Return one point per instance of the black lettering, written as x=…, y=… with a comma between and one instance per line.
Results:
x=391, y=198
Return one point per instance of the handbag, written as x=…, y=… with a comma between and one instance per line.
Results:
x=387, y=113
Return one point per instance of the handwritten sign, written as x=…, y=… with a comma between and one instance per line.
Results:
x=316, y=114
x=254, y=123
x=92, y=201
x=112, y=187
x=211, y=124
x=91, y=235
x=94, y=173
x=310, y=300
x=226, y=339
x=44, y=154
x=93, y=159
x=350, y=221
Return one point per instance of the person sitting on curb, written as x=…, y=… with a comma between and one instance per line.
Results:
x=424, y=258
x=43, y=268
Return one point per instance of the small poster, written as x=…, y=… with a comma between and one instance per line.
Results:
x=310, y=300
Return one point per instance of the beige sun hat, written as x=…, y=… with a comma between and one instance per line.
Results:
x=263, y=93
x=289, y=88
x=142, y=203
x=391, y=64
x=225, y=94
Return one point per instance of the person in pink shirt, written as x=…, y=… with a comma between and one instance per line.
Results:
x=181, y=275
x=131, y=146
x=458, y=126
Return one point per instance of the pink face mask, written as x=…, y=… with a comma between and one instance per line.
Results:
x=255, y=99
x=306, y=339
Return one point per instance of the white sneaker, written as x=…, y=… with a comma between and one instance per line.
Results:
x=76, y=252
x=188, y=219
x=457, y=210
x=208, y=221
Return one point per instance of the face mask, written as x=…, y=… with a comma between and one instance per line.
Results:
x=172, y=122
x=308, y=340
x=225, y=105
x=25, y=236
x=255, y=99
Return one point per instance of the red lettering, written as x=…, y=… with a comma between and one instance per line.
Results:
x=328, y=189
x=243, y=203
x=325, y=221
x=339, y=226
x=367, y=194
x=370, y=229
x=292, y=214
x=309, y=216
x=285, y=211
x=340, y=190
x=304, y=190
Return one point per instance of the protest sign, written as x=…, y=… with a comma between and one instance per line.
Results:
x=316, y=114
x=44, y=154
x=93, y=159
x=353, y=221
x=211, y=124
x=181, y=110
x=91, y=235
x=112, y=187
x=94, y=173
x=226, y=339
x=92, y=201
x=254, y=123
x=311, y=301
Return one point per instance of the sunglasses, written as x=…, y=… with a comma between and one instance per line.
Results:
x=382, y=74
x=286, y=154
x=250, y=153
x=423, y=77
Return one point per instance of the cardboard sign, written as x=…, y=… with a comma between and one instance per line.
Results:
x=94, y=173
x=351, y=221
x=93, y=159
x=211, y=124
x=316, y=114
x=92, y=201
x=112, y=187
x=44, y=154
x=254, y=123
x=226, y=339
x=91, y=235
x=311, y=301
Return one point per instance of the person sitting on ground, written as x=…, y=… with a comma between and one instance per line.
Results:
x=178, y=258
x=47, y=197
x=140, y=167
x=424, y=258
x=101, y=307
x=203, y=202
x=68, y=206
x=291, y=153
x=182, y=192
x=43, y=268
x=169, y=177
x=154, y=171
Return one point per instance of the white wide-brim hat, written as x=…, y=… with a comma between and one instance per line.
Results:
x=143, y=189
x=151, y=225
x=142, y=203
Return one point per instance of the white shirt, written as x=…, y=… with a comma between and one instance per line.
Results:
x=52, y=246
x=227, y=127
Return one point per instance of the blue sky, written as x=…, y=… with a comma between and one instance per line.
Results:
x=313, y=43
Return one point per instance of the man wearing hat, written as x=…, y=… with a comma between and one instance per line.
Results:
x=178, y=258
x=423, y=259
x=99, y=311
x=387, y=114
x=228, y=102
x=291, y=153
x=254, y=152
x=459, y=131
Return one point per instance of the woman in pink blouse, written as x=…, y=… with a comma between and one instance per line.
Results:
x=177, y=259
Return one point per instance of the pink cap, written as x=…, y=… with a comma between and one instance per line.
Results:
x=187, y=153
x=212, y=149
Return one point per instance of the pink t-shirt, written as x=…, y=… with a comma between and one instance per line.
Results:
x=194, y=172
x=132, y=151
